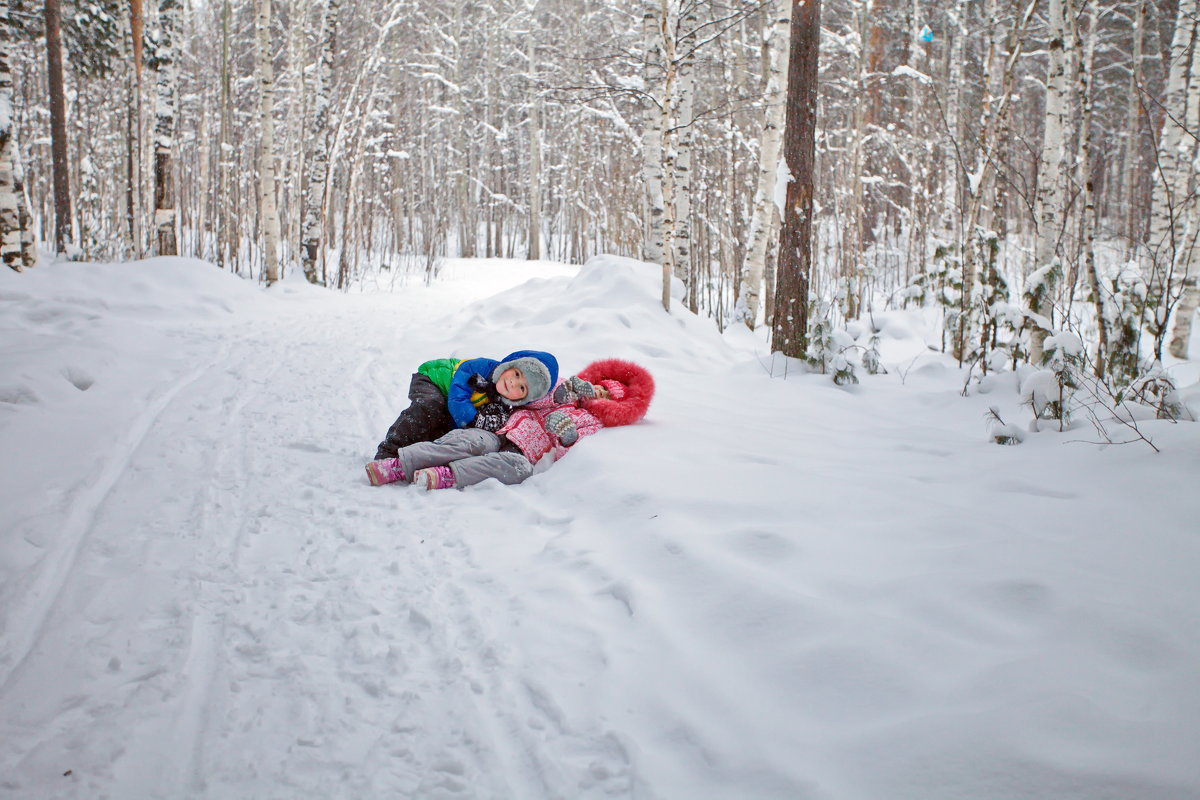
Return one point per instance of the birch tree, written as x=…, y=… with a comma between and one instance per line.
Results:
x=1084, y=164
x=165, y=213
x=996, y=109
x=534, y=250
x=683, y=135
x=1175, y=221
x=133, y=130
x=765, y=207
x=789, y=334
x=655, y=79
x=315, y=192
x=1131, y=160
x=268, y=212
x=1050, y=186
x=16, y=241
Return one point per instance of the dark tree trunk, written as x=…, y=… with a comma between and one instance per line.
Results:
x=789, y=330
x=58, y=125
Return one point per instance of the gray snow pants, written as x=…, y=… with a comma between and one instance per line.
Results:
x=472, y=454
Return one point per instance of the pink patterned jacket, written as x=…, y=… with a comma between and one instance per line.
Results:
x=630, y=389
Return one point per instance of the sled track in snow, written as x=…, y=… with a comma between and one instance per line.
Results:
x=53, y=573
x=207, y=635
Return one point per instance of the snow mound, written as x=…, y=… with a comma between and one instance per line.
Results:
x=155, y=288
x=612, y=308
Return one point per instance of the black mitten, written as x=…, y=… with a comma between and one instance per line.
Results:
x=492, y=416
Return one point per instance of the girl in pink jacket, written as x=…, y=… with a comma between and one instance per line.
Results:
x=606, y=393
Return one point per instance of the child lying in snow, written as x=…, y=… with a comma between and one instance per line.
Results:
x=450, y=393
x=606, y=393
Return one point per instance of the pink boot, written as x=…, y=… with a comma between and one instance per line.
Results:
x=387, y=470
x=434, y=478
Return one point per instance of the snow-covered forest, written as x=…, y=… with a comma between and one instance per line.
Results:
x=861, y=246
x=1025, y=168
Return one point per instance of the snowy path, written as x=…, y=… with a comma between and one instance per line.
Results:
x=294, y=632
x=769, y=589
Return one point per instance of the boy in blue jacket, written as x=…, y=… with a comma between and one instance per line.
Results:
x=450, y=393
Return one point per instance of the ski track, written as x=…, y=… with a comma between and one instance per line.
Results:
x=43, y=595
x=267, y=661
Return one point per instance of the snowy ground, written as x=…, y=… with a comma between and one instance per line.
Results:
x=771, y=588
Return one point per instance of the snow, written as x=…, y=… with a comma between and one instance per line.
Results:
x=783, y=176
x=769, y=588
x=906, y=71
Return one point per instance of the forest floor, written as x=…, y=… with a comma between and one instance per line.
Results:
x=772, y=587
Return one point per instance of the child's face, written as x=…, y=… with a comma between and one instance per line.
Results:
x=512, y=384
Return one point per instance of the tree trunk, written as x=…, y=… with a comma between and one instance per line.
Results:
x=535, y=153
x=312, y=247
x=951, y=212
x=14, y=216
x=267, y=209
x=765, y=207
x=58, y=126
x=133, y=136
x=789, y=333
x=1169, y=166
x=1134, y=128
x=652, y=144
x=993, y=132
x=165, y=212
x=685, y=134
x=1050, y=186
x=1087, y=227
x=1183, y=266
x=225, y=241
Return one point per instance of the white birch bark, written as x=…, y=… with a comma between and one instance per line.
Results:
x=775, y=107
x=852, y=237
x=468, y=230
x=994, y=131
x=166, y=234
x=668, y=20
x=1050, y=185
x=134, y=132
x=1184, y=268
x=312, y=249
x=535, y=154
x=652, y=139
x=685, y=88
x=1169, y=173
x=267, y=208
x=950, y=173
x=1087, y=221
x=16, y=249
x=1132, y=156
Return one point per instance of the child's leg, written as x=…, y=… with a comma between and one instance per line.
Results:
x=507, y=467
x=425, y=419
x=457, y=444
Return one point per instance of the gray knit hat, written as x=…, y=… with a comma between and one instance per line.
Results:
x=537, y=378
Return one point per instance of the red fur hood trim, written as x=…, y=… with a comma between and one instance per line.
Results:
x=639, y=386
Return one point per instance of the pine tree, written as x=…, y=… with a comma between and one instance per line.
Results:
x=58, y=126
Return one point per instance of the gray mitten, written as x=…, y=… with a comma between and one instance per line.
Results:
x=573, y=389
x=559, y=424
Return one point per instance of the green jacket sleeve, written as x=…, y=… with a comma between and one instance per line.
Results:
x=440, y=371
